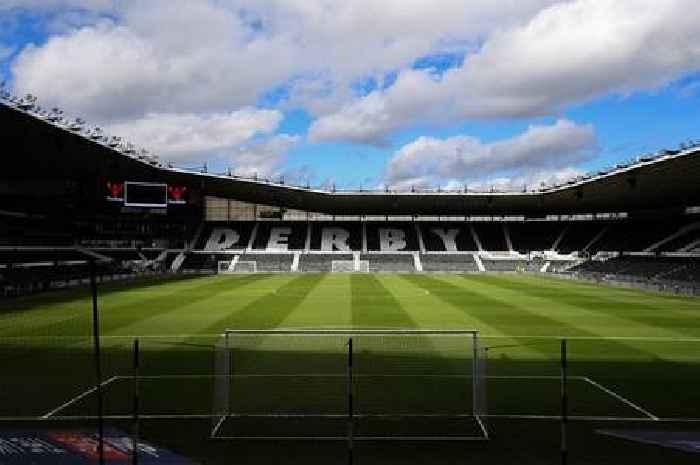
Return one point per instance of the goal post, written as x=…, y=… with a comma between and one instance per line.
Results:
x=350, y=385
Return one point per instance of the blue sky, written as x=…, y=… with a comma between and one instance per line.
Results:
x=361, y=94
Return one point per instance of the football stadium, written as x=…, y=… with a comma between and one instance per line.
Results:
x=250, y=319
x=194, y=308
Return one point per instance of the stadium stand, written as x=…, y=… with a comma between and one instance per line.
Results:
x=336, y=237
x=492, y=236
x=280, y=236
x=314, y=262
x=445, y=262
x=504, y=265
x=61, y=191
x=534, y=235
x=630, y=236
x=400, y=263
x=647, y=267
x=579, y=235
x=447, y=237
x=269, y=262
x=391, y=236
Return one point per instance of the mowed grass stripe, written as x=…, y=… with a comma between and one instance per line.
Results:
x=51, y=308
x=270, y=310
x=499, y=309
x=328, y=305
x=636, y=308
x=430, y=312
x=115, y=316
x=599, y=316
x=198, y=315
x=73, y=312
x=373, y=306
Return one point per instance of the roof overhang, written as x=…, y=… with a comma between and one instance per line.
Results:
x=41, y=150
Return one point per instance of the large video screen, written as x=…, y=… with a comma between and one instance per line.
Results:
x=145, y=194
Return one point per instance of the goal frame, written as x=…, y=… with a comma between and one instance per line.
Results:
x=478, y=385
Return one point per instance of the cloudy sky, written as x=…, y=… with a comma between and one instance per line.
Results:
x=422, y=93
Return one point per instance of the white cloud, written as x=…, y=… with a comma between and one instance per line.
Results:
x=56, y=4
x=536, y=154
x=568, y=53
x=191, y=137
x=263, y=159
x=206, y=55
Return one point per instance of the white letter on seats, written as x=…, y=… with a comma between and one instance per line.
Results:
x=279, y=237
x=221, y=239
x=334, y=239
x=391, y=239
x=448, y=237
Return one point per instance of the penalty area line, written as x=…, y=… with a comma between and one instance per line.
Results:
x=78, y=398
x=622, y=399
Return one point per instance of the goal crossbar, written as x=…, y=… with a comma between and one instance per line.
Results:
x=353, y=332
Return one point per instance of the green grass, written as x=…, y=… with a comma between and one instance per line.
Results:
x=640, y=345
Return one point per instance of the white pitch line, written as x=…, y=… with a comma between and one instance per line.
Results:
x=205, y=416
x=344, y=375
x=482, y=336
x=78, y=397
x=622, y=399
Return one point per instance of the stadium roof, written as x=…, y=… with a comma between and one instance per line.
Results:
x=44, y=149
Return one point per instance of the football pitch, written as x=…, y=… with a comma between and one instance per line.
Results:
x=634, y=363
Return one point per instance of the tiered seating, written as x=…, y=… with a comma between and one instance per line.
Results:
x=203, y=262
x=292, y=236
x=504, y=265
x=641, y=267
x=448, y=262
x=390, y=262
x=242, y=231
x=534, y=235
x=120, y=255
x=270, y=262
x=40, y=255
x=681, y=241
x=491, y=236
x=393, y=234
x=464, y=241
x=320, y=262
x=169, y=259
x=688, y=271
x=631, y=236
x=353, y=230
x=578, y=235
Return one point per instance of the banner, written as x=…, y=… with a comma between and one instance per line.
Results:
x=687, y=441
x=79, y=447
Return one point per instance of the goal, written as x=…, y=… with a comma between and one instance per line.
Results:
x=350, y=385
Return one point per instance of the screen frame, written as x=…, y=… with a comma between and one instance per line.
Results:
x=147, y=184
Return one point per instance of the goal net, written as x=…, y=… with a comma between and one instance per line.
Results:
x=364, y=266
x=350, y=385
x=342, y=266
